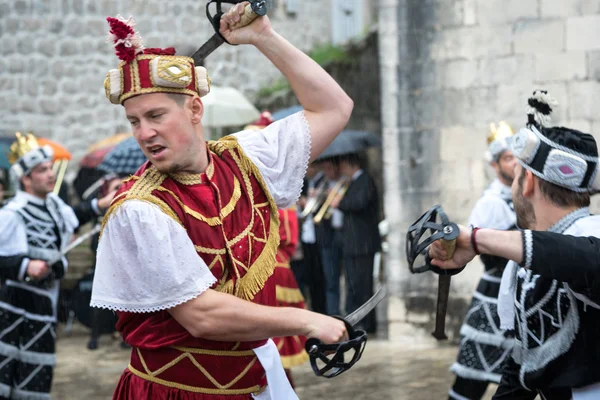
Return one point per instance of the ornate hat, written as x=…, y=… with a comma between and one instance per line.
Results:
x=499, y=139
x=26, y=153
x=265, y=120
x=563, y=156
x=152, y=70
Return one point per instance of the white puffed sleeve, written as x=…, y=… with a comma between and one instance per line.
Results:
x=492, y=212
x=146, y=262
x=281, y=152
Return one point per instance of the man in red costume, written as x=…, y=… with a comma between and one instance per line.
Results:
x=188, y=246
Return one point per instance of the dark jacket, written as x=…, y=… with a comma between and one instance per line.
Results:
x=360, y=206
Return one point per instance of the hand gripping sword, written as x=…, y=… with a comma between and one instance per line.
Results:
x=256, y=8
x=432, y=226
x=329, y=360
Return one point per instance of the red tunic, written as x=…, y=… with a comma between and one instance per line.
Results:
x=232, y=220
x=291, y=348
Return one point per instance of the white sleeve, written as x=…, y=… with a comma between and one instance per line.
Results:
x=492, y=212
x=281, y=152
x=146, y=262
x=13, y=238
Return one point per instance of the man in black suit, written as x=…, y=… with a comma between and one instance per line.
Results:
x=361, y=239
x=309, y=271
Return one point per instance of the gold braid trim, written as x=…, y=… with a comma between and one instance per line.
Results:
x=142, y=190
x=220, y=353
x=254, y=280
x=256, y=389
x=288, y=295
x=262, y=269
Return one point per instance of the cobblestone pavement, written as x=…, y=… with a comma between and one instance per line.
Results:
x=409, y=366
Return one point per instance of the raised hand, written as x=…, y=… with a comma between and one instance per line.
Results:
x=232, y=30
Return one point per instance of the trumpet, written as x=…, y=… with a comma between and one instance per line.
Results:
x=325, y=211
x=313, y=203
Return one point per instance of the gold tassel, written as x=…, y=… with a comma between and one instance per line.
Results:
x=295, y=360
x=288, y=295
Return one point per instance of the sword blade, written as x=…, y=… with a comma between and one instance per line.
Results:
x=207, y=48
x=362, y=311
x=76, y=243
x=442, y=306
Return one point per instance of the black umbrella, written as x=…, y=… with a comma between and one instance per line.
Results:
x=124, y=159
x=350, y=142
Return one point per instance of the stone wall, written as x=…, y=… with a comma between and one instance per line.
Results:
x=54, y=58
x=449, y=68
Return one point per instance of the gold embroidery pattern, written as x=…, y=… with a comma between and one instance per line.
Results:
x=174, y=71
x=253, y=281
x=219, y=388
x=186, y=179
x=142, y=190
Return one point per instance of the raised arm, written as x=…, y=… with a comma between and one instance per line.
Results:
x=327, y=107
x=570, y=259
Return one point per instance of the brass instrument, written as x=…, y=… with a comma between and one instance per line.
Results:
x=60, y=169
x=325, y=211
x=313, y=203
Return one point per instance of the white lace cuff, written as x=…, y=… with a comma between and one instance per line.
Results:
x=146, y=262
x=281, y=152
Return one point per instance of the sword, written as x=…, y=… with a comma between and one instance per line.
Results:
x=76, y=243
x=331, y=356
x=447, y=232
x=256, y=8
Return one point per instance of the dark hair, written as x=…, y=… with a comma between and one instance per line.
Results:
x=352, y=159
x=560, y=196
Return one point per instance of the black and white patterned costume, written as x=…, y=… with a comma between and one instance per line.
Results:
x=484, y=346
x=557, y=345
x=32, y=229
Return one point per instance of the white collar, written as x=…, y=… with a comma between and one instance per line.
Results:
x=29, y=198
x=357, y=174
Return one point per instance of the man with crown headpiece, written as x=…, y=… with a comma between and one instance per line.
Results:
x=188, y=246
x=36, y=226
x=483, y=348
x=550, y=290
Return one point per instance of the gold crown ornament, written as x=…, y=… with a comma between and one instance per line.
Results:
x=498, y=140
x=26, y=153
x=501, y=132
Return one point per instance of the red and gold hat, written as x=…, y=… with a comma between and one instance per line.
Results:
x=152, y=70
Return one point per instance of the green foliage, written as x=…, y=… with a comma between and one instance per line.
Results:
x=326, y=54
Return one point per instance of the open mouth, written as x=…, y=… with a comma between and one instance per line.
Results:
x=156, y=150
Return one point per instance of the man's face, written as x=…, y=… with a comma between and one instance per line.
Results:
x=330, y=170
x=164, y=130
x=505, y=167
x=41, y=180
x=523, y=206
x=346, y=169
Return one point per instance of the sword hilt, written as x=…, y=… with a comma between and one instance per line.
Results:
x=451, y=232
x=250, y=14
x=256, y=8
x=328, y=360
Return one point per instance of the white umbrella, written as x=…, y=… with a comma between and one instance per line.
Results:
x=227, y=106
